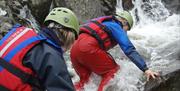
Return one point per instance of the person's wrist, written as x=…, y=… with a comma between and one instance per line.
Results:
x=145, y=69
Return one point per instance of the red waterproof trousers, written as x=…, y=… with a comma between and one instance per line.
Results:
x=87, y=57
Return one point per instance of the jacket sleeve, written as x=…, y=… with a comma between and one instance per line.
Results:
x=50, y=67
x=128, y=48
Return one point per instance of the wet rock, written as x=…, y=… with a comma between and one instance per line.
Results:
x=5, y=25
x=87, y=9
x=167, y=82
x=39, y=8
x=172, y=5
x=22, y=14
x=33, y=12
x=170, y=75
x=127, y=4
x=6, y=21
x=84, y=9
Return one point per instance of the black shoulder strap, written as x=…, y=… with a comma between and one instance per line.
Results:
x=26, y=78
x=2, y=88
x=95, y=35
x=104, y=28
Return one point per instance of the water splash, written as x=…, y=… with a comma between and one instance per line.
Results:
x=2, y=12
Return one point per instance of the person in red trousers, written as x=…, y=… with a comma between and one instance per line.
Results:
x=89, y=52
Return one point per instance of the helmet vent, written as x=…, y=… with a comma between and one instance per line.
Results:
x=53, y=14
x=59, y=9
x=65, y=11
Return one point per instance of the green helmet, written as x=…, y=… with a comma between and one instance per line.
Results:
x=64, y=17
x=126, y=15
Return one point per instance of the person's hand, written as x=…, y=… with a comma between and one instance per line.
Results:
x=150, y=74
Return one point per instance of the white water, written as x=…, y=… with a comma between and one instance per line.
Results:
x=156, y=37
x=2, y=12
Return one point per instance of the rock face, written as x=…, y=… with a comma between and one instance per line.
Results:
x=170, y=75
x=172, y=5
x=168, y=82
x=87, y=9
x=6, y=20
x=39, y=8
x=127, y=4
x=172, y=84
x=84, y=9
x=33, y=12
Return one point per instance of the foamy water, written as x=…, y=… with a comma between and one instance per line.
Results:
x=2, y=12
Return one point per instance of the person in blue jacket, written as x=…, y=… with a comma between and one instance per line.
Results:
x=89, y=52
x=31, y=61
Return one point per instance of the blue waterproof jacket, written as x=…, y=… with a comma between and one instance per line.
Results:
x=128, y=48
x=46, y=60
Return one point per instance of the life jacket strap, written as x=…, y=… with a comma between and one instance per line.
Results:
x=2, y=88
x=104, y=28
x=95, y=35
x=25, y=77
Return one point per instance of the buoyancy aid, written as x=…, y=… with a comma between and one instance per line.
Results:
x=13, y=47
x=100, y=32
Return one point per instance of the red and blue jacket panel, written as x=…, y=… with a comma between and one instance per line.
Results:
x=13, y=47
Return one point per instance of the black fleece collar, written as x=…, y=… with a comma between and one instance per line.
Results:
x=51, y=36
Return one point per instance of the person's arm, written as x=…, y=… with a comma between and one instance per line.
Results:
x=121, y=37
x=50, y=68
